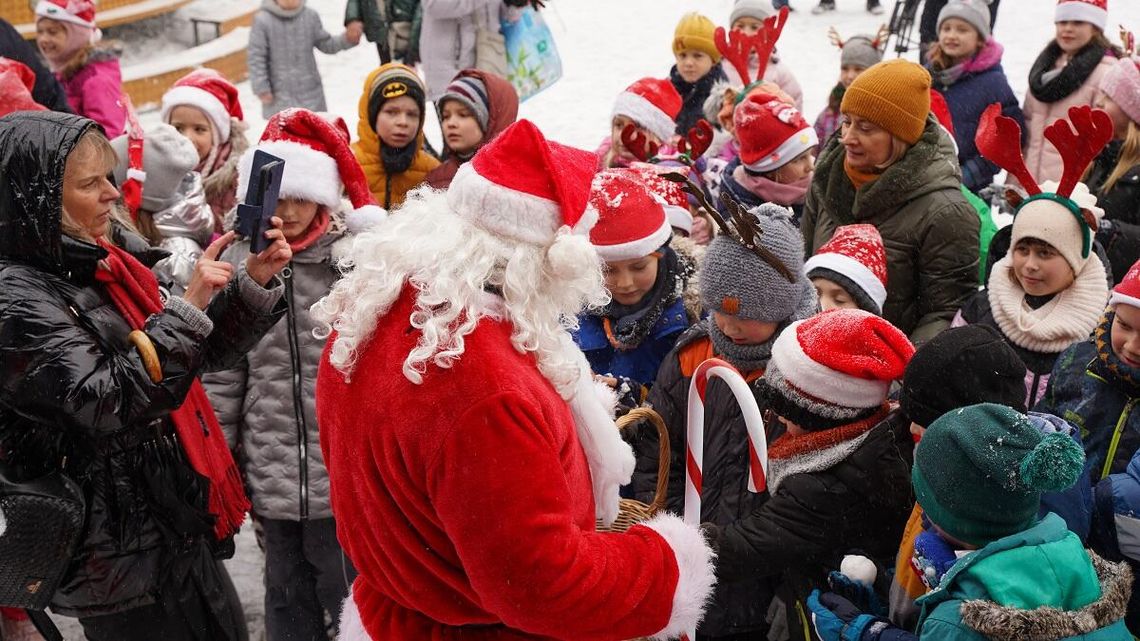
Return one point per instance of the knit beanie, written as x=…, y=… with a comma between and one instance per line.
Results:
x=962, y=366
x=834, y=368
x=1122, y=84
x=470, y=91
x=976, y=13
x=1127, y=291
x=856, y=260
x=695, y=32
x=168, y=157
x=737, y=282
x=894, y=95
x=859, y=51
x=758, y=9
x=1094, y=12
x=979, y=471
x=1052, y=222
x=393, y=81
x=771, y=133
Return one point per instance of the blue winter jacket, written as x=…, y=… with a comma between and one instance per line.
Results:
x=641, y=363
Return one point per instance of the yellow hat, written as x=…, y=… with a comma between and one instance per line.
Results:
x=895, y=95
x=695, y=32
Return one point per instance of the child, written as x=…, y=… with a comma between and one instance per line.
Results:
x=282, y=68
x=1066, y=74
x=696, y=70
x=626, y=340
x=174, y=215
x=267, y=403
x=204, y=107
x=850, y=270
x=88, y=70
x=857, y=54
x=649, y=104
x=1115, y=174
x=748, y=16
x=748, y=302
x=775, y=163
x=965, y=66
x=837, y=477
x=475, y=107
x=390, y=134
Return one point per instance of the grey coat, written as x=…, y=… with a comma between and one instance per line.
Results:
x=281, y=59
x=268, y=401
x=447, y=38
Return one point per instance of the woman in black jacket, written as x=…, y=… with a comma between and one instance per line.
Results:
x=129, y=424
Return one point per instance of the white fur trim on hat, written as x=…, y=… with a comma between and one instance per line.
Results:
x=200, y=99
x=506, y=212
x=788, y=151
x=1081, y=12
x=55, y=12
x=859, y=273
x=821, y=381
x=351, y=627
x=309, y=174
x=1123, y=299
x=364, y=218
x=644, y=113
x=679, y=218
x=695, y=573
x=636, y=248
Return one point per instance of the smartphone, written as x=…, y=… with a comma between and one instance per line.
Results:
x=260, y=203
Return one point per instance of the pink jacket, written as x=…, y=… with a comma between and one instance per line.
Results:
x=96, y=91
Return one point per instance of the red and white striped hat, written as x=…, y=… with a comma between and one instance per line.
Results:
x=653, y=103
x=631, y=220
x=855, y=253
x=208, y=90
x=1094, y=12
x=1127, y=291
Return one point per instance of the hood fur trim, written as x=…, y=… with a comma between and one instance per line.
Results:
x=1002, y=623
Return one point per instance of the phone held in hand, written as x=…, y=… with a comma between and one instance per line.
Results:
x=254, y=214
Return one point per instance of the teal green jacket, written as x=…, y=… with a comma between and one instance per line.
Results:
x=1040, y=583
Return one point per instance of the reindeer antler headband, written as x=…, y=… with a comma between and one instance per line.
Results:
x=692, y=146
x=737, y=45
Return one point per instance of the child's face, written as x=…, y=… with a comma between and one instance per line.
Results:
x=1126, y=334
x=461, y=129
x=868, y=145
x=748, y=25
x=798, y=169
x=743, y=331
x=832, y=296
x=398, y=122
x=1120, y=119
x=693, y=64
x=630, y=280
x=296, y=216
x=958, y=39
x=848, y=74
x=289, y=5
x=51, y=37
x=1072, y=36
x=1040, y=269
x=618, y=124
x=192, y=123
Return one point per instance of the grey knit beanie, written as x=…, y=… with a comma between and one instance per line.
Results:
x=167, y=157
x=758, y=9
x=975, y=12
x=470, y=91
x=859, y=52
x=737, y=282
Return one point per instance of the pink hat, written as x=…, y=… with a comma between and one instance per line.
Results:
x=653, y=103
x=1094, y=12
x=675, y=201
x=857, y=256
x=1122, y=84
x=631, y=221
x=772, y=133
x=1127, y=291
x=16, y=83
x=209, y=91
x=319, y=164
x=77, y=12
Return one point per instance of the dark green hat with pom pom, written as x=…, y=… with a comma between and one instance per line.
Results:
x=979, y=471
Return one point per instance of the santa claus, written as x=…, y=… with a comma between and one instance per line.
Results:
x=469, y=450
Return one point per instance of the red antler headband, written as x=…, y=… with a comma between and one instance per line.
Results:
x=737, y=46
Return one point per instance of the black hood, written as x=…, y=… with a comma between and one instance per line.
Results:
x=34, y=146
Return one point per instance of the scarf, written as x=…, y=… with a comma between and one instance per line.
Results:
x=1124, y=376
x=134, y=290
x=1070, y=316
x=628, y=325
x=858, y=178
x=396, y=160
x=316, y=229
x=1070, y=77
x=785, y=194
x=693, y=94
x=746, y=358
x=818, y=450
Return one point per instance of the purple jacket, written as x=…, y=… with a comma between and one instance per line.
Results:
x=96, y=92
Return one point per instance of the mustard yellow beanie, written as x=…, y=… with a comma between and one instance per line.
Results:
x=895, y=95
x=695, y=31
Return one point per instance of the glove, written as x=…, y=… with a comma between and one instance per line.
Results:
x=933, y=558
x=861, y=595
x=837, y=619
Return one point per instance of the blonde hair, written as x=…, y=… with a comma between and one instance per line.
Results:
x=899, y=147
x=93, y=141
x=1129, y=157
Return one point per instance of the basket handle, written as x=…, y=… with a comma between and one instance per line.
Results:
x=635, y=416
x=148, y=354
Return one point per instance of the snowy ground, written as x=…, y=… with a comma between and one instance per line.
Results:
x=605, y=45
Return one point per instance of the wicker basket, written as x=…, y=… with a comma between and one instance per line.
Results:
x=631, y=512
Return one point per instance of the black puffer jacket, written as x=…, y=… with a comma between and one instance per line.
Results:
x=74, y=392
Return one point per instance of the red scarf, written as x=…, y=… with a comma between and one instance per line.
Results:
x=134, y=290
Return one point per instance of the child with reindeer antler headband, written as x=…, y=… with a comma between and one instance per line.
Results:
x=1050, y=289
x=857, y=54
x=749, y=16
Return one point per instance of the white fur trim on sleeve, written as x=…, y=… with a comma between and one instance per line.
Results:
x=364, y=218
x=351, y=627
x=636, y=248
x=645, y=114
x=309, y=174
x=696, y=575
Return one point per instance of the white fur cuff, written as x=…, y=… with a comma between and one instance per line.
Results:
x=696, y=575
x=351, y=627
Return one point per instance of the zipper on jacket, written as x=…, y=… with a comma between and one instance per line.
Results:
x=298, y=404
x=1112, y=447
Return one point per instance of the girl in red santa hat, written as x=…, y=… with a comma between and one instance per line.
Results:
x=651, y=105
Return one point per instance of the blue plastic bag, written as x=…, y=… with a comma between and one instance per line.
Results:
x=532, y=59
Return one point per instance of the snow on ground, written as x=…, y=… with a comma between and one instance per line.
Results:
x=605, y=45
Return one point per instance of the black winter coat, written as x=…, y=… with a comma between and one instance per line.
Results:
x=47, y=91
x=1121, y=207
x=74, y=394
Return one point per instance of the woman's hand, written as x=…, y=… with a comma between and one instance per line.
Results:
x=210, y=274
x=273, y=259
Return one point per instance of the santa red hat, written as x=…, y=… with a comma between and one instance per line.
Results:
x=77, y=12
x=1127, y=291
x=631, y=220
x=856, y=260
x=653, y=103
x=524, y=187
x=771, y=132
x=319, y=164
x=675, y=202
x=17, y=81
x=834, y=368
x=1094, y=12
x=209, y=91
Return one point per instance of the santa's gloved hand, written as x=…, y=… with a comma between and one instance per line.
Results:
x=837, y=619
